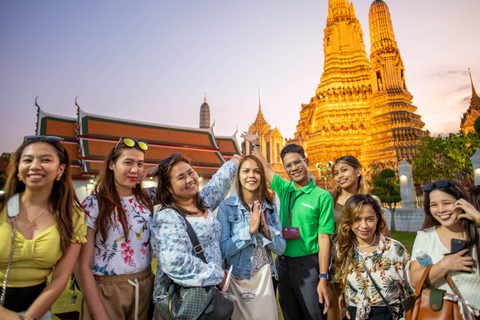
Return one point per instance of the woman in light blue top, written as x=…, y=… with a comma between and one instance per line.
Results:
x=250, y=222
x=178, y=194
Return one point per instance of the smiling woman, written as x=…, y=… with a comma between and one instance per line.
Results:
x=116, y=260
x=39, y=211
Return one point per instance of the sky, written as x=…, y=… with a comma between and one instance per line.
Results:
x=153, y=60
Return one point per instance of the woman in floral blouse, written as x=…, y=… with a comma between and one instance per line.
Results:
x=114, y=268
x=178, y=194
x=359, y=239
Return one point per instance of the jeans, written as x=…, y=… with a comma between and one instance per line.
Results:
x=297, y=287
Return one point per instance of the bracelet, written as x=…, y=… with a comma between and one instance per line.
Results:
x=323, y=275
x=25, y=317
x=255, y=146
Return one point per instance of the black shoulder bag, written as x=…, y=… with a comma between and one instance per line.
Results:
x=190, y=303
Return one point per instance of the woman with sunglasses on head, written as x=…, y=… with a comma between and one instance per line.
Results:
x=114, y=269
x=251, y=228
x=449, y=215
x=178, y=194
x=371, y=269
x=42, y=226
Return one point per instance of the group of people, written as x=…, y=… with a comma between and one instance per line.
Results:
x=335, y=258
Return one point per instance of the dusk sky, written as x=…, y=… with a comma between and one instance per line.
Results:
x=152, y=61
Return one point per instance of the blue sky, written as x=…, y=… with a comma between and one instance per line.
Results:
x=153, y=61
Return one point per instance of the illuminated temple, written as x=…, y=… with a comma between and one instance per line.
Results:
x=362, y=106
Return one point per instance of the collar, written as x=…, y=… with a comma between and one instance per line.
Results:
x=305, y=189
x=234, y=201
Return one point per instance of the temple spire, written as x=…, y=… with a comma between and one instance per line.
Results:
x=205, y=114
x=471, y=81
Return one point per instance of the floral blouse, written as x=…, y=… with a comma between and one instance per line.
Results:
x=116, y=255
x=172, y=245
x=388, y=264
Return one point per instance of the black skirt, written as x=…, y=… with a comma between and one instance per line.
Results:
x=20, y=299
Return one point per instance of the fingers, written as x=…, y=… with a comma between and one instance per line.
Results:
x=347, y=314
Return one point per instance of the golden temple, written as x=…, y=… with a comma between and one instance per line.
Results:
x=362, y=106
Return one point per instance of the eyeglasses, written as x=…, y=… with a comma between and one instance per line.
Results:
x=296, y=163
x=40, y=138
x=435, y=185
x=131, y=143
x=165, y=162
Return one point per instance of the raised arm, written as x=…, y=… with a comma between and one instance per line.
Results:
x=253, y=139
x=218, y=187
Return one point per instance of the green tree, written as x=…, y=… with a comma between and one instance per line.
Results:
x=476, y=125
x=445, y=158
x=4, y=159
x=388, y=192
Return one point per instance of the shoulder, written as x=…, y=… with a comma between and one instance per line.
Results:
x=167, y=216
x=231, y=201
x=426, y=233
x=79, y=226
x=90, y=205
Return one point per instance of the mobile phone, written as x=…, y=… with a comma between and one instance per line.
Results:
x=459, y=244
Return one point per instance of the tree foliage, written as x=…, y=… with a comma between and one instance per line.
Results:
x=445, y=158
x=387, y=189
x=4, y=159
x=476, y=125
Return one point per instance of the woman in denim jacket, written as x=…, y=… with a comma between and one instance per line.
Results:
x=250, y=223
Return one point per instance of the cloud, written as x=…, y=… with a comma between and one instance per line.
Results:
x=448, y=73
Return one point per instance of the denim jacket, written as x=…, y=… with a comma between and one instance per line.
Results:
x=235, y=241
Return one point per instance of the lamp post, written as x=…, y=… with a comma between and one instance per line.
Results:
x=324, y=171
x=476, y=166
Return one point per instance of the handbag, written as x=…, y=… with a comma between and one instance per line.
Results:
x=174, y=301
x=431, y=303
x=255, y=297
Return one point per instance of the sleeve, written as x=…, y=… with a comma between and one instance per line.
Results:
x=278, y=184
x=277, y=244
x=326, y=224
x=217, y=189
x=230, y=243
x=151, y=191
x=79, y=227
x=90, y=205
x=175, y=254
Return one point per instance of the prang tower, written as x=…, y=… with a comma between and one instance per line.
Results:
x=360, y=108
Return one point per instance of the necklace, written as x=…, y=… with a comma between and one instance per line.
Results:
x=368, y=246
x=38, y=215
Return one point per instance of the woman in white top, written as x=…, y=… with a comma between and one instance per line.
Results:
x=448, y=216
x=114, y=268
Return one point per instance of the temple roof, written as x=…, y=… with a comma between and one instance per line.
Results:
x=473, y=111
x=90, y=137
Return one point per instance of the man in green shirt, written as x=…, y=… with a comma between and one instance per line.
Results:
x=306, y=213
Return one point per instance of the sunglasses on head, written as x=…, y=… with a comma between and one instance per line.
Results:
x=40, y=138
x=165, y=162
x=435, y=185
x=129, y=142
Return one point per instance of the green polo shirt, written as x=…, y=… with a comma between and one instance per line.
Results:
x=312, y=214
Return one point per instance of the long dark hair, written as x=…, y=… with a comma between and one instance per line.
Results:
x=346, y=240
x=468, y=227
x=263, y=194
x=108, y=199
x=63, y=199
x=362, y=183
x=164, y=196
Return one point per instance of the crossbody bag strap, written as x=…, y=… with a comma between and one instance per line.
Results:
x=197, y=247
x=375, y=285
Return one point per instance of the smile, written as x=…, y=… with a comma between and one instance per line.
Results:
x=190, y=186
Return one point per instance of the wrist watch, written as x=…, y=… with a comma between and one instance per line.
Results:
x=255, y=146
x=323, y=275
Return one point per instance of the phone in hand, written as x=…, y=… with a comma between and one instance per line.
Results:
x=459, y=244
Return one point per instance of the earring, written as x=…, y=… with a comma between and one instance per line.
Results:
x=19, y=177
x=59, y=177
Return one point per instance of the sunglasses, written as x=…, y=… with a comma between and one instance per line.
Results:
x=165, y=162
x=435, y=185
x=131, y=143
x=40, y=138
x=295, y=163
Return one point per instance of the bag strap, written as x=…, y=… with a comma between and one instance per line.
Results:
x=197, y=247
x=375, y=285
x=13, y=206
x=421, y=283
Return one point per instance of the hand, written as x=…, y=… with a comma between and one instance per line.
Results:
x=468, y=210
x=250, y=137
x=7, y=314
x=455, y=262
x=323, y=294
x=255, y=217
x=236, y=158
x=344, y=311
x=266, y=228
x=153, y=171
